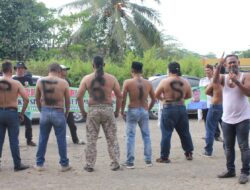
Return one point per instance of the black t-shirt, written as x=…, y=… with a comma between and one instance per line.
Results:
x=25, y=80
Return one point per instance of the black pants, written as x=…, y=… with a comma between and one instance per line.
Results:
x=28, y=129
x=72, y=127
x=217, y=130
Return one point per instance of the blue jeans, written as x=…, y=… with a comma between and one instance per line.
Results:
x=175, y=117
x=9, y=120
x=52, y=117
x=241, y=131
x=138, y=116
x=213, y=118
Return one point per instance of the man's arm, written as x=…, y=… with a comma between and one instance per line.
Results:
x=209, y=90
x=25, y=98
x=216, y=77
x=67, y=101
x=159, y=90
x=38, y=95
x=118, y=95
x=189, y=91
x=124, y=97
x=152, y=97
x=80, y=94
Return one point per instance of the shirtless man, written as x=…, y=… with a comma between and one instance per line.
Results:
x=100, y=112
x=236, y=117
x=138, y=90
x=173, y=91
x=52, y=95
x=9, y=118
x=214, y=115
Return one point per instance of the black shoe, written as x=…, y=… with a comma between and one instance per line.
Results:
x=243, y=179
x=31, y=143
x=21, y=167
x=115, y=166
x=88, y=169
x=189, y=155
x=80, y=143
x=227, y=174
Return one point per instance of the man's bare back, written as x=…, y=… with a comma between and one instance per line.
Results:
x=174, y=89
x=9, y=91
x=138, y=90
x=100, y=94
x=52, y=91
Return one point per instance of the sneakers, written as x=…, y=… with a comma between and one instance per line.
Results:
x=189, y=155
x=39, y=168
x=31, y=143
x=149, y=163
x=206, y=154
x=227, y=174
x=65, y=168
x=243, y=179
x=162, y=160
x=115, y=166
x=88, y=168
x=218, y=139
x=21, y=167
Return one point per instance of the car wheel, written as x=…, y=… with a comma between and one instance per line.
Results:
x=78, y=118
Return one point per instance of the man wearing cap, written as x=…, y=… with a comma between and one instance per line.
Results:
x=173, y=91
x=26, y=81
x=70, y=119
x=9, y=118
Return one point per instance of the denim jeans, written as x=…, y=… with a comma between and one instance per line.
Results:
x=138, y=116
x=52, y=117
x=175, y=117
x=28, y=128
x=217, y=129
x=72, y=127
x=213, y=117
x=9, y=120
x=241, y=131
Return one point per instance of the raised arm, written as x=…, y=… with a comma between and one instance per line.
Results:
x=244, y=85
x=216, y=78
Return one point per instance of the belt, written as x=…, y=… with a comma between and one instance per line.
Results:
x=169, y=104
x=9, y=108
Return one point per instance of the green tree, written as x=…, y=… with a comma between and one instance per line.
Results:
x=116, y=26
x=24, y=28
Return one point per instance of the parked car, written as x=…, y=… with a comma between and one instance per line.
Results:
x=155, y=81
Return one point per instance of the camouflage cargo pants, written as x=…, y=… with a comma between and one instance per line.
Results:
x=101, y=115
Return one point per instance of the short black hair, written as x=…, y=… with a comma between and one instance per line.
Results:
x=7, y=66
x=98, y=61
x=137, y=67
x=174, y=67
x=55, y=68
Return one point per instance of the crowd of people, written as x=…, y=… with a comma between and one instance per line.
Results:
x=228, y=103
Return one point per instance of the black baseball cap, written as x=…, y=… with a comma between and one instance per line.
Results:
x=20, y=65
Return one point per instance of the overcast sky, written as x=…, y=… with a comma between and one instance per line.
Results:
x=201, y=26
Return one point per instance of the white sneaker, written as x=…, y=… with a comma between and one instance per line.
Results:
x=39, y=168
x=65, y=168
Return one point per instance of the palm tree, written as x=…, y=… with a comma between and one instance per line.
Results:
x=116, y=26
